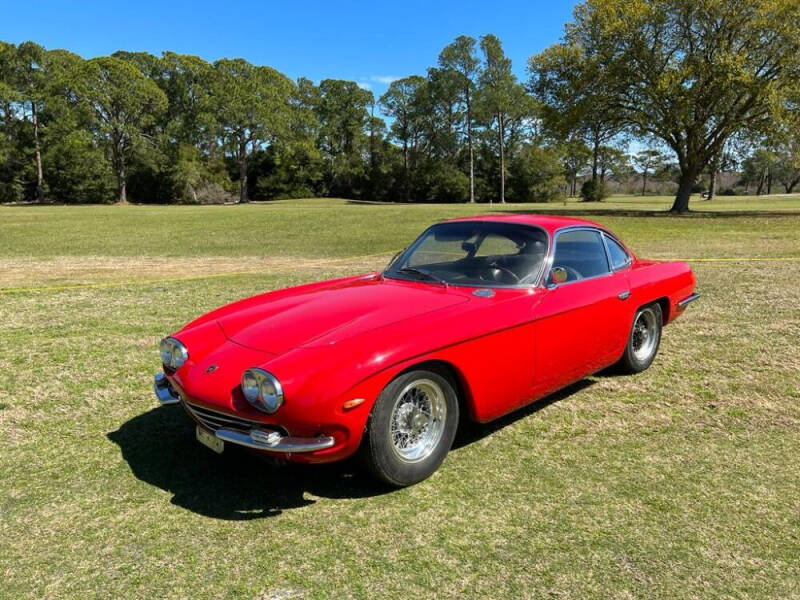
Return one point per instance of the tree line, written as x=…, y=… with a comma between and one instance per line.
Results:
x=698, y=86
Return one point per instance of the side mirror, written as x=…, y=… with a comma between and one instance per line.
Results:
x=469, y=247
x=558, y=275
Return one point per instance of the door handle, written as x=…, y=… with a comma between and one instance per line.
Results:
x=624, y=295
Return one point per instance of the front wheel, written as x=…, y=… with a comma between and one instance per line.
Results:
x=411, y=428
x=643, y=341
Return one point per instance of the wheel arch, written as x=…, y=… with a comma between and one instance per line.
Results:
x=663, y=302
x=452, y=373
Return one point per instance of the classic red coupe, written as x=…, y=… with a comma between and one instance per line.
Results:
x=478, y=317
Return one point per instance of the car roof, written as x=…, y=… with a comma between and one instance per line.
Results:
x=550, y=223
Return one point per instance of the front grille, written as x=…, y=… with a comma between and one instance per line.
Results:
x=215, y=420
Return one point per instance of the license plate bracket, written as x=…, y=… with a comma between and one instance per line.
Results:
x=209, y=440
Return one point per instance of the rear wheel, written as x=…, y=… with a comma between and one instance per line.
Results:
x=411, y=428
x=643, y=341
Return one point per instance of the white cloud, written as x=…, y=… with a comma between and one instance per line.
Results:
x=364, y=85
x=384, y=79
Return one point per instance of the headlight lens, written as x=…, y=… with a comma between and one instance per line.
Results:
x=173, y=353
x=250, y=386
x=262, y=389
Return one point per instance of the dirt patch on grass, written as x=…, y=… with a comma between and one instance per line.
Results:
x=71, y=270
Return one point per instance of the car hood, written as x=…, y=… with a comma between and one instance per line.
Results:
x=323, y=317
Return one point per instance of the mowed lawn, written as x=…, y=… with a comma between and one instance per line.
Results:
x=681, y=482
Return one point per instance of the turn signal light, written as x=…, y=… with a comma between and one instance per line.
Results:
x=353, y=403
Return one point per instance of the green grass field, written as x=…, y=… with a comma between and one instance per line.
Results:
x=681, y=482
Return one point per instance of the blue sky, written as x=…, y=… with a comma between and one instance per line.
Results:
x=362, y=41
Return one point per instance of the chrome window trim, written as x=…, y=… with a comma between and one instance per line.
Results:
x=552, y=256
x=511, y=286
x=628, y=258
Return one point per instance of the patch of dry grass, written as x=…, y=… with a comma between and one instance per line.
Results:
x=30, y=272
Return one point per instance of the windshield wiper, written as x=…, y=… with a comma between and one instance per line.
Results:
x=424, y=273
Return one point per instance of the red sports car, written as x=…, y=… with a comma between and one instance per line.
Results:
x=478, y=317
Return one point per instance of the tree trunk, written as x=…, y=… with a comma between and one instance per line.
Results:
x=122, y=197
x=761, y=180
x=644, y=182
x=595, y=158
x=242, y=169
x=118, y=158
x=38, y=153
x=685, y=184
x=501, y=126
x=712, y=182
x=471, y=161
x=405, y=170
x=769, y=182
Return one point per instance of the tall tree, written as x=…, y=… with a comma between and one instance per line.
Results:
x=648, y=162
x=252, y=107
x=404, y=103
x=569, y=83
x=31, y=81
x=124, y=102
x=343, y=112
x=498, y=89
x=460, y=59
x=575, y=157
x=691, y=73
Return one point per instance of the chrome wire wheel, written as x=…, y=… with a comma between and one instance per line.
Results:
x=644, y=338
x=417, y=420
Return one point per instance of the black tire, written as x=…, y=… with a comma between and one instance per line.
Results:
x=403, y=403
x=635, y=359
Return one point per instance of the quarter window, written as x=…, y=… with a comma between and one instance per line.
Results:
x=619, y=258
x=581, y=254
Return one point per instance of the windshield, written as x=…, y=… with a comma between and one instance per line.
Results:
x=474, y=253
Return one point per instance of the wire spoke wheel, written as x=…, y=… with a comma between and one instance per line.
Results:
x=645, y=335
x=417, y=420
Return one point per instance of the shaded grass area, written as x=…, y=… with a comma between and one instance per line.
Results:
x=679, y=482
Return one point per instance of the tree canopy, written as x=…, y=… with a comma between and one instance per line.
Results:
x=637, y=93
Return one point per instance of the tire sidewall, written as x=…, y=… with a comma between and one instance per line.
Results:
x=634, y=364
x=379, y=455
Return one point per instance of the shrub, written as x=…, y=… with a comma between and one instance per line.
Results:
x=535, y=175
x=593, y=190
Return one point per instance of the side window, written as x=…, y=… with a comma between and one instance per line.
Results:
x=581, y=254
x=619, y=258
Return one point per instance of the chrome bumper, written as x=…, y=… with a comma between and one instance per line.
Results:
x=274, y=441
x=164, y=391
x=683, y=303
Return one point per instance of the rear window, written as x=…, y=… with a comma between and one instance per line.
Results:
x=619, y=258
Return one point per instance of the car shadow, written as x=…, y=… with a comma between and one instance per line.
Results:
x=470, y=432
x=160, y=449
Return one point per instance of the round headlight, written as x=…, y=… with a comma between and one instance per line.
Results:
x=250, y=387
x=270, y=397
x=173, y=353
x=262, y=389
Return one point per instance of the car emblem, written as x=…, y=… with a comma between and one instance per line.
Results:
x=211, y=369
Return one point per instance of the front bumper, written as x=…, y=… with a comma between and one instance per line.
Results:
x=252, y=437
x=274, y=441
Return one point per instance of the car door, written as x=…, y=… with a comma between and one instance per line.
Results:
x=580, y=321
